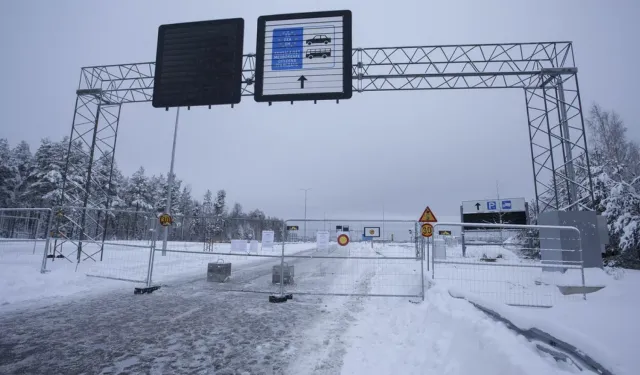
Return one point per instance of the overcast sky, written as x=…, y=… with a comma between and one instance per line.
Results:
x=403, y=150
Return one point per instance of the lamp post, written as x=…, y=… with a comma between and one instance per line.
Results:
x=170, y=183
x=305, y=212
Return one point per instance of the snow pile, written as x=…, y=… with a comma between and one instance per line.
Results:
x=440, y=336
x=604, y=326
x=21, y=280
x=573, y=277
x=476, y=253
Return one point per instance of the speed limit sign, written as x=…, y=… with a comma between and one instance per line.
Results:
x=426, y=230
x=165, y=220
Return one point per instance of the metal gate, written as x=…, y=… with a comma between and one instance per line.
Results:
x=221, y=254
x=523, y=265
x=380, y=259
x=387, y=263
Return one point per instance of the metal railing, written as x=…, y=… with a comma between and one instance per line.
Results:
x=516, y=264
x=525, y=265
x=300, y=264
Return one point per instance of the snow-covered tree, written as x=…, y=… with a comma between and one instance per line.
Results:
x=236, y=211
x=175, y=196
x=186, y=204
x=219, y=207
x=615, y=162
x=45, y=180
x=21, y=161
x=107, y=178
x=7, y=175
x=138, y=191
x=207, y=203
x=36, y=180
x=158, y=190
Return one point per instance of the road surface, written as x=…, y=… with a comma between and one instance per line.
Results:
x=193, y=327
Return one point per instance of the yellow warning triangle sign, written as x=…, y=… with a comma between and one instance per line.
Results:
x=428, y=216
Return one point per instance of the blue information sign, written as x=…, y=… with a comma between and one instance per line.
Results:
x=506, y=205
x=287, y=48
x=491, y=205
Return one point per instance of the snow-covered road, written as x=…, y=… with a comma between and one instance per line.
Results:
x=191, y=327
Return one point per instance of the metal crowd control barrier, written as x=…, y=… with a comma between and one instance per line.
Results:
x=514, y=264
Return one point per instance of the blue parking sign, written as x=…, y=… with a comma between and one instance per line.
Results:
x=491, y=205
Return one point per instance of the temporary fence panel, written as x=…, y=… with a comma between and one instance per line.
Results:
x=365, y=266
x=113, y=244
x=248, y=271
x=507, y=263
x=209, y=228
x=23, y=237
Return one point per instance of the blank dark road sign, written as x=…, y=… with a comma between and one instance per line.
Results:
x=304, y=56
x=199, y=63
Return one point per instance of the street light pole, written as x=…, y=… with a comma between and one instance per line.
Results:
x=170, y=183
x=305, y=212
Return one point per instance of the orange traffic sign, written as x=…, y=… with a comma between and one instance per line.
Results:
x=165, y=220
x=428, y=216
x=426, y=230
x=343, y=240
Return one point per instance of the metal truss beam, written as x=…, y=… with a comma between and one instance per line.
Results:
x=559, y=153
x=545, y=70
x=473, y=66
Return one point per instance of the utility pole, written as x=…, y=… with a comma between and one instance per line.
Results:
x=499, y=204
x=499, y=208
x=305, y=212
x=383, y=233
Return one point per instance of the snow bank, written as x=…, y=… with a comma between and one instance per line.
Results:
x=21, y=280
x=573, y=277
x=477, y=252
x=604, y=326
x=440, y=336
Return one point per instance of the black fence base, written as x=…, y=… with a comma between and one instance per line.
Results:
x=55, y=256
x=280, y=299
x=148, y=290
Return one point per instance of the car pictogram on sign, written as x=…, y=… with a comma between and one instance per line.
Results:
x=318, y=39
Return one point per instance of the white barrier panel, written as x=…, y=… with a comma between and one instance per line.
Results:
x=267, y=239
x=253, y=246
x=439, y=249
x=322, y=240
x=239, y=246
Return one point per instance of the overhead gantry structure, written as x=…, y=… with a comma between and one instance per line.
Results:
x=544, y=71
